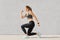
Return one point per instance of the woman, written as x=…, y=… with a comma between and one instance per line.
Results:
x=31, y=23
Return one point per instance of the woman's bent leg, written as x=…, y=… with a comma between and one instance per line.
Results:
x=30, y=32
x=31, y=26
x=23, y=28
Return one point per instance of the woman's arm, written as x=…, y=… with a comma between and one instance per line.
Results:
x=21, y=15
x=35, y=18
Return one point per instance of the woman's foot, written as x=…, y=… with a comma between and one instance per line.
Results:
x=31, y=34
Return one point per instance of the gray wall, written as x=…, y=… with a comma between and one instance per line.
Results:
x=47, y=11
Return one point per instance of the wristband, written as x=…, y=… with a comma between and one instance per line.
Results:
x=38, y=23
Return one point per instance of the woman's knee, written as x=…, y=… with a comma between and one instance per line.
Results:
x=22, y=26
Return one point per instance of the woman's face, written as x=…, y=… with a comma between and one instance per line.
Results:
x=26, y=8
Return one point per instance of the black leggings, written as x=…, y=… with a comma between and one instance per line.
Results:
x=29, y=25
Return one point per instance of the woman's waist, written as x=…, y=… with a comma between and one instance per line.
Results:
x=30, y=20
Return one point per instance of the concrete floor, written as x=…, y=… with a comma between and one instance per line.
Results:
x=24, y=37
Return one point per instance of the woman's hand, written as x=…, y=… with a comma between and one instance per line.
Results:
x=21, y=14
x=22, y=11
x=22, y=17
